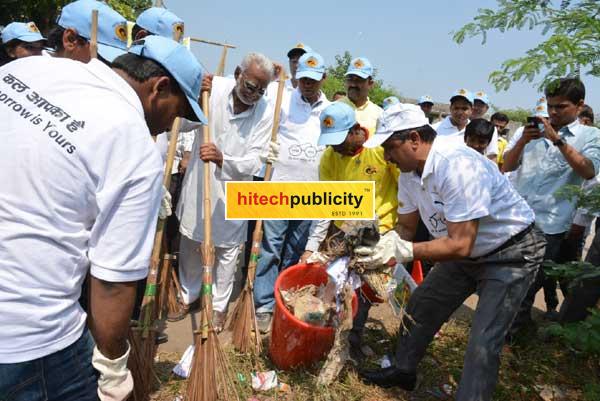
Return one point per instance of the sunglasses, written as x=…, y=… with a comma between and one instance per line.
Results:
x=252, y=87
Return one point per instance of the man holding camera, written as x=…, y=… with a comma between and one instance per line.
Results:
x=551, y=153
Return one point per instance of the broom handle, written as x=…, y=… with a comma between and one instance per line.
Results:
x=221, y=69
x=150, y=291
x=207, y=249
x=94, y=35
x=258, y=233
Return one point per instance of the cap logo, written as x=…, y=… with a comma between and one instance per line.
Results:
x=462, y=92
x=328, y=122
x=178, y=28
x=480, y=94
x=539, y=108
x=312, y=62
x=542, y=100
x=359, y=63
x=300, y=46
x=121, y=32
x=32, y=27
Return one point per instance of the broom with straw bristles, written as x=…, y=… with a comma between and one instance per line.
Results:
x=246, y=337
x=143, y=336
x=210, y=378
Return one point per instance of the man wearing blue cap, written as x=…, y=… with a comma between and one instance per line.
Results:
x=551, y=153
x=91, y=177
x=158, y=21
x=345, y=159
x=359, y=81
x=484, y=241
x=241, y=123
x=481, y=105
x=20, y=39
x=71, y=37
x=453, y=126
x=426, y=104
x=284, y=240
x=291, y=83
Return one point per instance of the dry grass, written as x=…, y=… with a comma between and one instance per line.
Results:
x=523, y=367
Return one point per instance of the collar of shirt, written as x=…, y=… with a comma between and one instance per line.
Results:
x=429, y=162
x=447, y=125
x=368, y=103
x=118, y=84
x=231, y=109
x=571, y=129
x=299, y=99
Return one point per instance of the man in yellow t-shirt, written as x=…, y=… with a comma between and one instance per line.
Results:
x=500, y=121
x=345, y=159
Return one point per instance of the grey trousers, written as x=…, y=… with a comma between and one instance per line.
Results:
x=501, y=280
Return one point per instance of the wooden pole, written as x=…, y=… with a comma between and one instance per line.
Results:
x=221, y=69
x=94, y=35
x=211, y=42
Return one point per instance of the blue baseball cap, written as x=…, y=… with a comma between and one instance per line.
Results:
x=483, y=97
x=179, y=62
x=162, y=22
x=425, y=99
x=24, y=31
x=112, y=27
x=299, y=48
x=360, y=66
x=336, y=121
x=541, y=110
x=389, y=101
x=464, y=93
x=311, y=65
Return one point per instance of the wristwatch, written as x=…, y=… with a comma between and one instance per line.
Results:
x=559, y=142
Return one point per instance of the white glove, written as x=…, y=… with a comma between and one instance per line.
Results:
x=165, y=205
x=115, y=382
x=318, y=257
x=389, y=246
x=273, y=152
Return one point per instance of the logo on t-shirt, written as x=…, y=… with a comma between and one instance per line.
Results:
x=437, y=223
x=370, y=170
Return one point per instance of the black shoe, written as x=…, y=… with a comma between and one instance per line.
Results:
x=390, y=377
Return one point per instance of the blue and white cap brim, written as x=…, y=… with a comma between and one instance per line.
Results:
x=377, y=139
x=333, y=138
x=360, y=73
x=317, y=76
x=110, y=53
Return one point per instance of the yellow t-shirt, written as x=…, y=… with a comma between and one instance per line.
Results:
x=367, y=115
x=368, y=165
x=501, y=148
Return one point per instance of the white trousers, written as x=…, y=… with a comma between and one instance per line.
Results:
x=190, y=272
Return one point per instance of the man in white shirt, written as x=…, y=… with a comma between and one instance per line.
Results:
x=453, y=126
x=284, y=240
x=241, y=120
x=82, y=184
x=484, y=242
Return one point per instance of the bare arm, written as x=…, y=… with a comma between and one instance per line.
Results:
x=457, y=245
x=407, y=225
x=111, y=308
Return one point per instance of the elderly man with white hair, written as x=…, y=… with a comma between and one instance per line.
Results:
x=240, y=122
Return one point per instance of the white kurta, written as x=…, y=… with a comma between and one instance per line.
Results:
x=244, y=140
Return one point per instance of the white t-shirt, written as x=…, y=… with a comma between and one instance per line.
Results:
x=445, y=128
x=244, y=141
x=185, y=141
x=81, y=189
x=458, y=184
x=299, y=131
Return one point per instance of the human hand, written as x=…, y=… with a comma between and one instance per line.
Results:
x=273, y=152
x=210, y=153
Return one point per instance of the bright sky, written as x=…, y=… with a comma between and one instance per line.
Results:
x=410, y=45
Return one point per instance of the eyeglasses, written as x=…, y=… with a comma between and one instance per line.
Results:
x=252, y=87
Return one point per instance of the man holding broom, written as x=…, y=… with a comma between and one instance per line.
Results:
x=241, y=123
x=81, y=193
x=485, y=242
x=284, y=240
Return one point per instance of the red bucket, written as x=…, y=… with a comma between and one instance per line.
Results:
x=295, y=343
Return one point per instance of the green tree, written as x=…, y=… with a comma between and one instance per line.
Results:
x=44, y=12
x=335, y=80
x=572, y=29
x=518, y=114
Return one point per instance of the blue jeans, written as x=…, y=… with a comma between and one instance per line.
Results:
x=66, y=375
x=282, y=245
